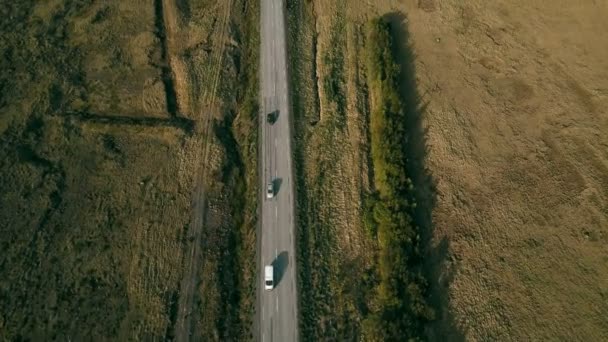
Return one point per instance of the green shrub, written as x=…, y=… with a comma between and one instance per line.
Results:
x=401, y=289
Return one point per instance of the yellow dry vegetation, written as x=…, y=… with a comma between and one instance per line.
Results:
x=516, y=117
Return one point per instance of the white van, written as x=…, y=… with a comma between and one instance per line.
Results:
x=269, y=277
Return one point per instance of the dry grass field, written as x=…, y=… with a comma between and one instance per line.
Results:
x=512, y=170
x=105, y=110
x=517, y=116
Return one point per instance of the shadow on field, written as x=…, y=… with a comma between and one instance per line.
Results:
x=280, y=267
x=434, y=266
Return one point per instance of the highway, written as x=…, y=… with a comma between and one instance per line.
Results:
x=277, y=311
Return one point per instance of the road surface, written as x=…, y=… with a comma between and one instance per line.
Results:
x=277, y=312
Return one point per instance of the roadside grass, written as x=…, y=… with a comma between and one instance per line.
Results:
x=344, y=289
x=224, y=46
x=300, y=38
x=240, y=129
x=334, y=82
x=333, y=273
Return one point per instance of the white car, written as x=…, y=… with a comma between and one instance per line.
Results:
x=269, y=277
x=269, y=191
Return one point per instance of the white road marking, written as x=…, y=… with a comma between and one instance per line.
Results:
x=277, y=304
x=276, y=212
x=276, y=253
x=275, y=142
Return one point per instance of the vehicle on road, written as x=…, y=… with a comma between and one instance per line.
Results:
x=270, y=190
x=269, y=277
x=272, y=117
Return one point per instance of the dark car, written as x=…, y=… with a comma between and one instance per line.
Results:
x=272, y=117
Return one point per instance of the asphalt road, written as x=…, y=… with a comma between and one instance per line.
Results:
x=277, y=312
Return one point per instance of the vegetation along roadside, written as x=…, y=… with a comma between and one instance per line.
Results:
x=360, y=244
x=401, y=306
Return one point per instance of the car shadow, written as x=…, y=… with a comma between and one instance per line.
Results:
x=280, y=266
x=276, y=185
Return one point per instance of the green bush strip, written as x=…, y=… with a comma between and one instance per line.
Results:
x=400, y=307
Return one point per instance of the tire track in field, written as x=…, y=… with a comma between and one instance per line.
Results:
x=195, y=254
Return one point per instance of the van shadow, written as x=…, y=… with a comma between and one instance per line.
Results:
x=280, y=265
x=434, y=262
x=276, y=185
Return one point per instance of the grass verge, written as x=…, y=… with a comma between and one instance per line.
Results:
x=237, y=133
x=299, y=23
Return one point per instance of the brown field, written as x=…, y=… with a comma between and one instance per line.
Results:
x=105, y=110
x=513, y=107
x=517, y=116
